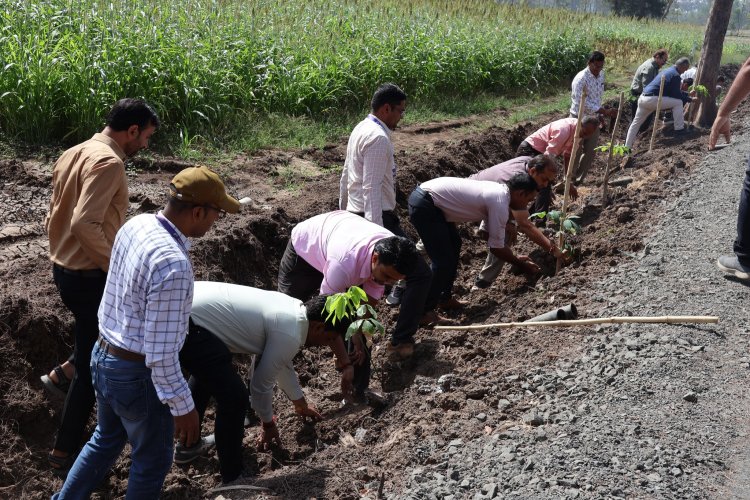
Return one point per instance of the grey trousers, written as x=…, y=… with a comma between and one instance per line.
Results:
x=490, y=271
x=587, y=156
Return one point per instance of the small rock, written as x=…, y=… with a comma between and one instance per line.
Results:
x=676, y=471
x=503, y=404
x=481, y=417
x=654, y=478
x=690, y=397
x=533, y=418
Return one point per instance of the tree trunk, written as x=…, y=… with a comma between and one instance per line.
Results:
x=704, y=113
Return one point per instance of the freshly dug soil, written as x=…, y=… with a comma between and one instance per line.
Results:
x=452, y=377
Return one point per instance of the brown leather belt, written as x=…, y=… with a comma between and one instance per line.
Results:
x=118, y=352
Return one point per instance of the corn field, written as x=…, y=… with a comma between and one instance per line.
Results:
x=206, y=65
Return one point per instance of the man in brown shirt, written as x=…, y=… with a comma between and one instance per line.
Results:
x=88, y=207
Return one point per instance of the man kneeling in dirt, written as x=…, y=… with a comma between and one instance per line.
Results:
x=438, y=204
x=541, y=168
x=337, y=250
x=228, y=318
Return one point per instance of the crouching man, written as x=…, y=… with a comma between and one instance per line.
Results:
x=438, y=204
x=228, y=318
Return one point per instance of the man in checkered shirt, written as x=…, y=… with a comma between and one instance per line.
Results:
x=142, y=397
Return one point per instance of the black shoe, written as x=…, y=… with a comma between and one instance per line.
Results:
x=394, y=298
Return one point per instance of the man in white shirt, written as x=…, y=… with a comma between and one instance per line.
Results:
x=590, y=79
x=367, y=186
x=228, y=318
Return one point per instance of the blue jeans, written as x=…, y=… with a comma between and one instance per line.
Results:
x=127, y=410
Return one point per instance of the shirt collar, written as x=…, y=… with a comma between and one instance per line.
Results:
x=111, y=143
x=183, y=240
x=379, y=122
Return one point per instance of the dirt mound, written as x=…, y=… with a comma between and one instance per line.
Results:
x=342, y=456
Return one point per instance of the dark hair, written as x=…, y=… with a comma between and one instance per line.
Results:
x=688, y=81
x=127, y=112
x=522, y=182
x=178, y=206
x=682, y=61
x=399, y=252
x=661, y=53
x=316, y=311
x=541, y=163
x=590, y=120
x=388, y=93
x=596, y=56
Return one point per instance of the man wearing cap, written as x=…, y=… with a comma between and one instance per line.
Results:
x=142, y=397
x=88, y=206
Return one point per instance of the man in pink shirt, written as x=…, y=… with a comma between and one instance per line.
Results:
x=337, y=250
x=556, y=138
x=437, y=205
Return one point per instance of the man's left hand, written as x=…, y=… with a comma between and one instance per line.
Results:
x=347, y=382
x=304, y=410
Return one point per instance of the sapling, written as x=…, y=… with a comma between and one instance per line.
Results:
x=353, y=304
x=700, y=90
x=563, y=225
x=617, y=149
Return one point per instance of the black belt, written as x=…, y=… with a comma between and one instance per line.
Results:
x=85, y=273
x=119, y=352
x=425, y=194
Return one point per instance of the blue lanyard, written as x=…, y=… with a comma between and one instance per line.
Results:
x=171, y=230
x=387, y=131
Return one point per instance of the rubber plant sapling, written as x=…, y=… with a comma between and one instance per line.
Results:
x=353, y=305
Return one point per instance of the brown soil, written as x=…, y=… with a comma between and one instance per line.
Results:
x=326, y=460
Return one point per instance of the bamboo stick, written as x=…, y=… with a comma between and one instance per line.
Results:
x=605, y=186
x=591, y=321
x=572, y=166
x=658, y=112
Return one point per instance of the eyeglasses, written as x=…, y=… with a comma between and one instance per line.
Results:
x=221, y=212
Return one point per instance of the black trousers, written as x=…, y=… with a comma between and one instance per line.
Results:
x=209, y=362
x=742, y=242
x=441, y=241
x=81, y=293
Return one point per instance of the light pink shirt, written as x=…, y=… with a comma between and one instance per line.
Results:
x=366, y=184
x=555, y=138
x=467, y=200
x=340, y=244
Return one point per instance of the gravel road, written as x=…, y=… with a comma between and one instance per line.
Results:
x=641, y=411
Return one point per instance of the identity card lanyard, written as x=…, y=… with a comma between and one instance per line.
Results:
x=163, y=221
x=387, y=130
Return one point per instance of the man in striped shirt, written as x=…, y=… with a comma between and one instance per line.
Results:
x=142, y=396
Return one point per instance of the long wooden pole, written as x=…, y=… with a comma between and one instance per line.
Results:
x=658, y=112
x=605, y=194
x=591, y=321
x=572, y=166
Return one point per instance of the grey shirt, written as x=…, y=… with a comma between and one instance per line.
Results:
x=643, y=75
x=253, y=321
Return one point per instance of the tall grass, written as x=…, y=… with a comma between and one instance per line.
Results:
x=209, y=66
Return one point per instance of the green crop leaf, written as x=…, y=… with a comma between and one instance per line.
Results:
x=554, y=216
x=538, y=215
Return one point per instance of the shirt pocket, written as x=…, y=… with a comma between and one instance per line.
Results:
x=128, y=399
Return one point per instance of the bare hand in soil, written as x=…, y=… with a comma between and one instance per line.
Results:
x=268, y=438
x=556, y=252
x=720, y=127
x=357, y=356
x=186, y=428
x=308, y=412
x=347, y=387
x=528, y=265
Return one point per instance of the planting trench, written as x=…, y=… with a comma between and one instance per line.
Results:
x=343, y=456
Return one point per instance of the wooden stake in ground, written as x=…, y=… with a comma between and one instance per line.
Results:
x=658, y=112
x=572, y=166
x=605, y=194
x=590, y=321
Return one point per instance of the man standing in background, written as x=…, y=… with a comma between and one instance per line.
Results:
x=644, y=75
x=88, y=206
x=590, y=79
